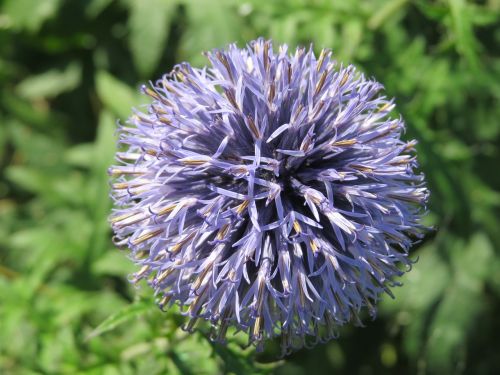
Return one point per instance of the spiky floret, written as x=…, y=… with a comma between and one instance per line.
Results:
x=270, y=192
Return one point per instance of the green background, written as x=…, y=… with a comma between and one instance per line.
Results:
x=70, y=69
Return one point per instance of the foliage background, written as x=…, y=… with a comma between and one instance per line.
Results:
x=69, y=69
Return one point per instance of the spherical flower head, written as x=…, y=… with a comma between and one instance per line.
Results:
x=269, y=192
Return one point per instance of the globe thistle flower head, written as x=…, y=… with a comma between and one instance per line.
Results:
x=270, y=192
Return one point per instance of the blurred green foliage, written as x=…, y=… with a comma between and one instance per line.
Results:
x=69, y=69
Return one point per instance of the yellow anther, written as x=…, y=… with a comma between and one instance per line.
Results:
x=344, y=79
x=344, y=142
x=240, y=208
x=146, y=236
x=297, y=226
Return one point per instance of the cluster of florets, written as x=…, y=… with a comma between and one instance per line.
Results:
x=270, y=192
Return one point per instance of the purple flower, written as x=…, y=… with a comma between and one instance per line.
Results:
x=269, y=192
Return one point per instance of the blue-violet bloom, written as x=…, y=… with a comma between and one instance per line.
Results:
x=269, y=192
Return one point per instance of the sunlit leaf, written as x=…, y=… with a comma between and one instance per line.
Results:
x=81, y=155
x=102, y=158
x=149, y=29
x=224, y=27
x=29, y=14
x=126, y=314
x=113, y=263
x=117, y=96
x=462, y=301
x=386, y=10
x=50, y=83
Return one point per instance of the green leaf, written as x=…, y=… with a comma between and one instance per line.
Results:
x=353, y=32
x=80, y=155
x=30, y=14
x=448, y=331
x=113, y=263
x=50, y=83
x=102, y=158
x=126, y=314
x=473, y=266
x=461, y=303
x=462, y=27
x=95, y=7
x=241, y=361
x=454, y=149
x=224, y=27
x=116, y=96
x=494, y=277
x=419, y=291
x=29, y=179
x=53, y=188
x=24, y=111
x=149, y=24
x=416, y=296
x=385, y=12
x=105, y=147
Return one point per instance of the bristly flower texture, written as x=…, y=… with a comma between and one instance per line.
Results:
x=269, y=192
